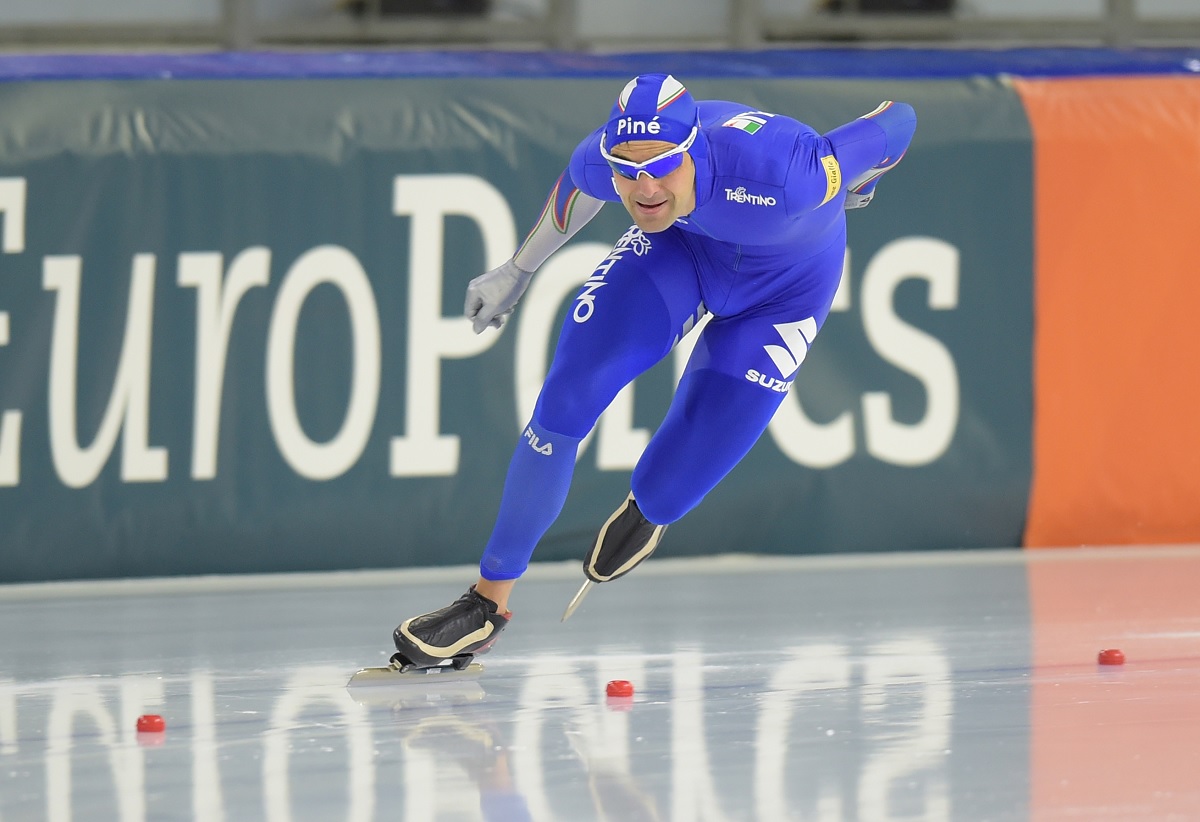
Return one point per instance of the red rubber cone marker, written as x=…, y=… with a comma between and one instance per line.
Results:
x=1112, y=656
x=151, y=724
x=620, y=687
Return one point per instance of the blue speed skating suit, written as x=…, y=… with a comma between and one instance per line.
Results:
x=762, y=253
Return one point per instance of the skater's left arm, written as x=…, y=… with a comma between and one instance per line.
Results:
x=582, y=189
x=872, y=145
x=492, y=296
x=567, y=210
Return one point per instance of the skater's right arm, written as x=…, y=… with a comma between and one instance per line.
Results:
x=870, y=146
x=491, y=297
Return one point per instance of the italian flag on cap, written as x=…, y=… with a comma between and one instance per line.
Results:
x=668, y=92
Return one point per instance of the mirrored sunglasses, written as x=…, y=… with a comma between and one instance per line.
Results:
x=656, y=167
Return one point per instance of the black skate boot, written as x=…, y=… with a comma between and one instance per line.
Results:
x=449, y=636
x=623, y=543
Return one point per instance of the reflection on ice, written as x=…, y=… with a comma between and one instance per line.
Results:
x=907, y=703
x=80, y=708
x=710, y=739
x=207, y=802
x=8, y=717
x=308, y=690
x=929, y=689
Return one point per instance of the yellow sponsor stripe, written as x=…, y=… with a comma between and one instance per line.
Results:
x=833, y=177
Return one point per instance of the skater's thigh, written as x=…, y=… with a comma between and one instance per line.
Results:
x=626, y=317
x=634, y=306
x=767, y=344
x=736, y=378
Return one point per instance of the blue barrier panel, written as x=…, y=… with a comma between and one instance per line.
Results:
x=233, y=338
x=825, y=62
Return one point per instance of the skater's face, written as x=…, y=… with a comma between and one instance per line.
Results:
x=655, y=202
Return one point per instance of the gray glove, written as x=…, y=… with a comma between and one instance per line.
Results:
x=491, y=296
x=854, y=201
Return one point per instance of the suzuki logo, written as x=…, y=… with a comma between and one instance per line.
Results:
x=797, y=337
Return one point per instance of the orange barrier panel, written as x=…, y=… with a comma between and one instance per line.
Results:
x=1116, y=453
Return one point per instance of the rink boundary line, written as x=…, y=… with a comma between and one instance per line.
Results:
x=569, y=569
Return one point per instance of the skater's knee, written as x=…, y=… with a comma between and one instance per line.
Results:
x=579, y=386
x=570, y=408
x=658, y=504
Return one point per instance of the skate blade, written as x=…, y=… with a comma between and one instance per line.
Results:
x=392, y=675
x=577, y=599
x=449, y=691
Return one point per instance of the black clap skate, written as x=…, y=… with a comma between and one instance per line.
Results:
x=625, y=541
x=450, y=636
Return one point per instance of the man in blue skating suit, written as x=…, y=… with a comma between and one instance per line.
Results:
x=737, y=213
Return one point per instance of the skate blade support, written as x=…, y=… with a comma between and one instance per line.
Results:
x=399, y=670
x=577, y=599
